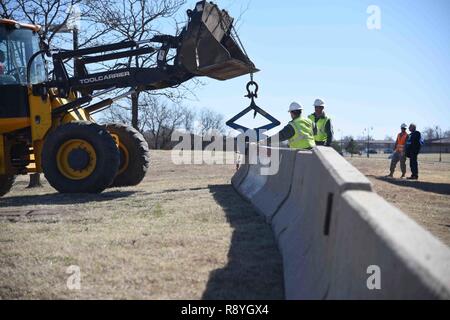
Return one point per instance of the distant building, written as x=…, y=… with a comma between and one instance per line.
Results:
x=436, y=146
x=379, y=146
x=383, y=146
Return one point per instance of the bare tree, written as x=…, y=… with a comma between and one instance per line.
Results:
x=51, y=15
x=210, y=120
x=133, y=20
x=429, y=133
x=163, y=119
x=446, y=134
x=158, y=118
x=351, y=146
x=189, y=119
x=35, y=181
x=438, y=132
x=8, y=8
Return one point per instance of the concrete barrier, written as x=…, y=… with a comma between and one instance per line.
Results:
x=252, y=183
x=240, y=175
x=370, y=232
x=248, y=180
x=268, y=199
x=305, y=244
x=291, y=208
x=321, y=231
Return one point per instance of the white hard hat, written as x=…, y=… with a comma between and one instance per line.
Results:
x=319, y=103
x=403, y=126
x=295, y=106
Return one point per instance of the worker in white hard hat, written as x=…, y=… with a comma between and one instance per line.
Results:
x=300, y=131
x=399, y=152
x=324, y=134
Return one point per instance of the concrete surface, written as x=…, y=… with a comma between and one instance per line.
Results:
x=369, y=231
x=326, y=241
x=277, y=188
x=240, y=175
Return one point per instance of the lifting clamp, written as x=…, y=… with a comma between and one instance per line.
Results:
x=252, y=95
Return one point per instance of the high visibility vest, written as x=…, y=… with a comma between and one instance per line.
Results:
x=321, y=135
x=401, y=142
x=304, y=136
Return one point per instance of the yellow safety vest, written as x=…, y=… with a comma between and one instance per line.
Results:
x=304, y=135
x=321, y=135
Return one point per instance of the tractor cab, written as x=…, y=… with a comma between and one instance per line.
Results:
x=18, y=42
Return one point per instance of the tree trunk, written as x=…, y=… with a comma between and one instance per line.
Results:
x=35, y=181
x=135, y=110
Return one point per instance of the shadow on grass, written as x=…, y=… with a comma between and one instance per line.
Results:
x=440, y=188
x=62, y=199
x=254, y=269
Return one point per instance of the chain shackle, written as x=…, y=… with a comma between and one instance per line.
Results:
x=252, y=94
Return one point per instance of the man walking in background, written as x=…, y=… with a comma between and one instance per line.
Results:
x=413, y=145
x=399, y=152
x=324, y=134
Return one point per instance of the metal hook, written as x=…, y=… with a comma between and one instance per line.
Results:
x=251, y=94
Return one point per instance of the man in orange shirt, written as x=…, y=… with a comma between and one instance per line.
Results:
x=399, y=152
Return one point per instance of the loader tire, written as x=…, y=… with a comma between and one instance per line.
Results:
x=6, y=183
x=80, y=157
x=134, y=155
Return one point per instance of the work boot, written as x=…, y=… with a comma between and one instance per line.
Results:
x=390, y=175
x=413, y=178
x=403, y=176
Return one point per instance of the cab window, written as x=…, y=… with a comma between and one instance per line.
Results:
x=16, y=48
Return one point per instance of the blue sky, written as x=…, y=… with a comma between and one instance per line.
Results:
x=317, y=48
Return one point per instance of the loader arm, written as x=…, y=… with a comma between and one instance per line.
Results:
x=205, y=47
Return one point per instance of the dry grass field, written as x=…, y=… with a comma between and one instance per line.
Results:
x=181, y=234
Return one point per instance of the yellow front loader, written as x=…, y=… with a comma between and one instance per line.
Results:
x=45, y=122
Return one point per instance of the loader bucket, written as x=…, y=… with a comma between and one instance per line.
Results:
x=207, y=46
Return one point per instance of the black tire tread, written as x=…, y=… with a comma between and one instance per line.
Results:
x=6, y=183
x=138, y=151
x=107, y=157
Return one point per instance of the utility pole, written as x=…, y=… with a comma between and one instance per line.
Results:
x=368, y=144
x=439, y=133
x=368, y=139
x=72, y=26
x=342, y=147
